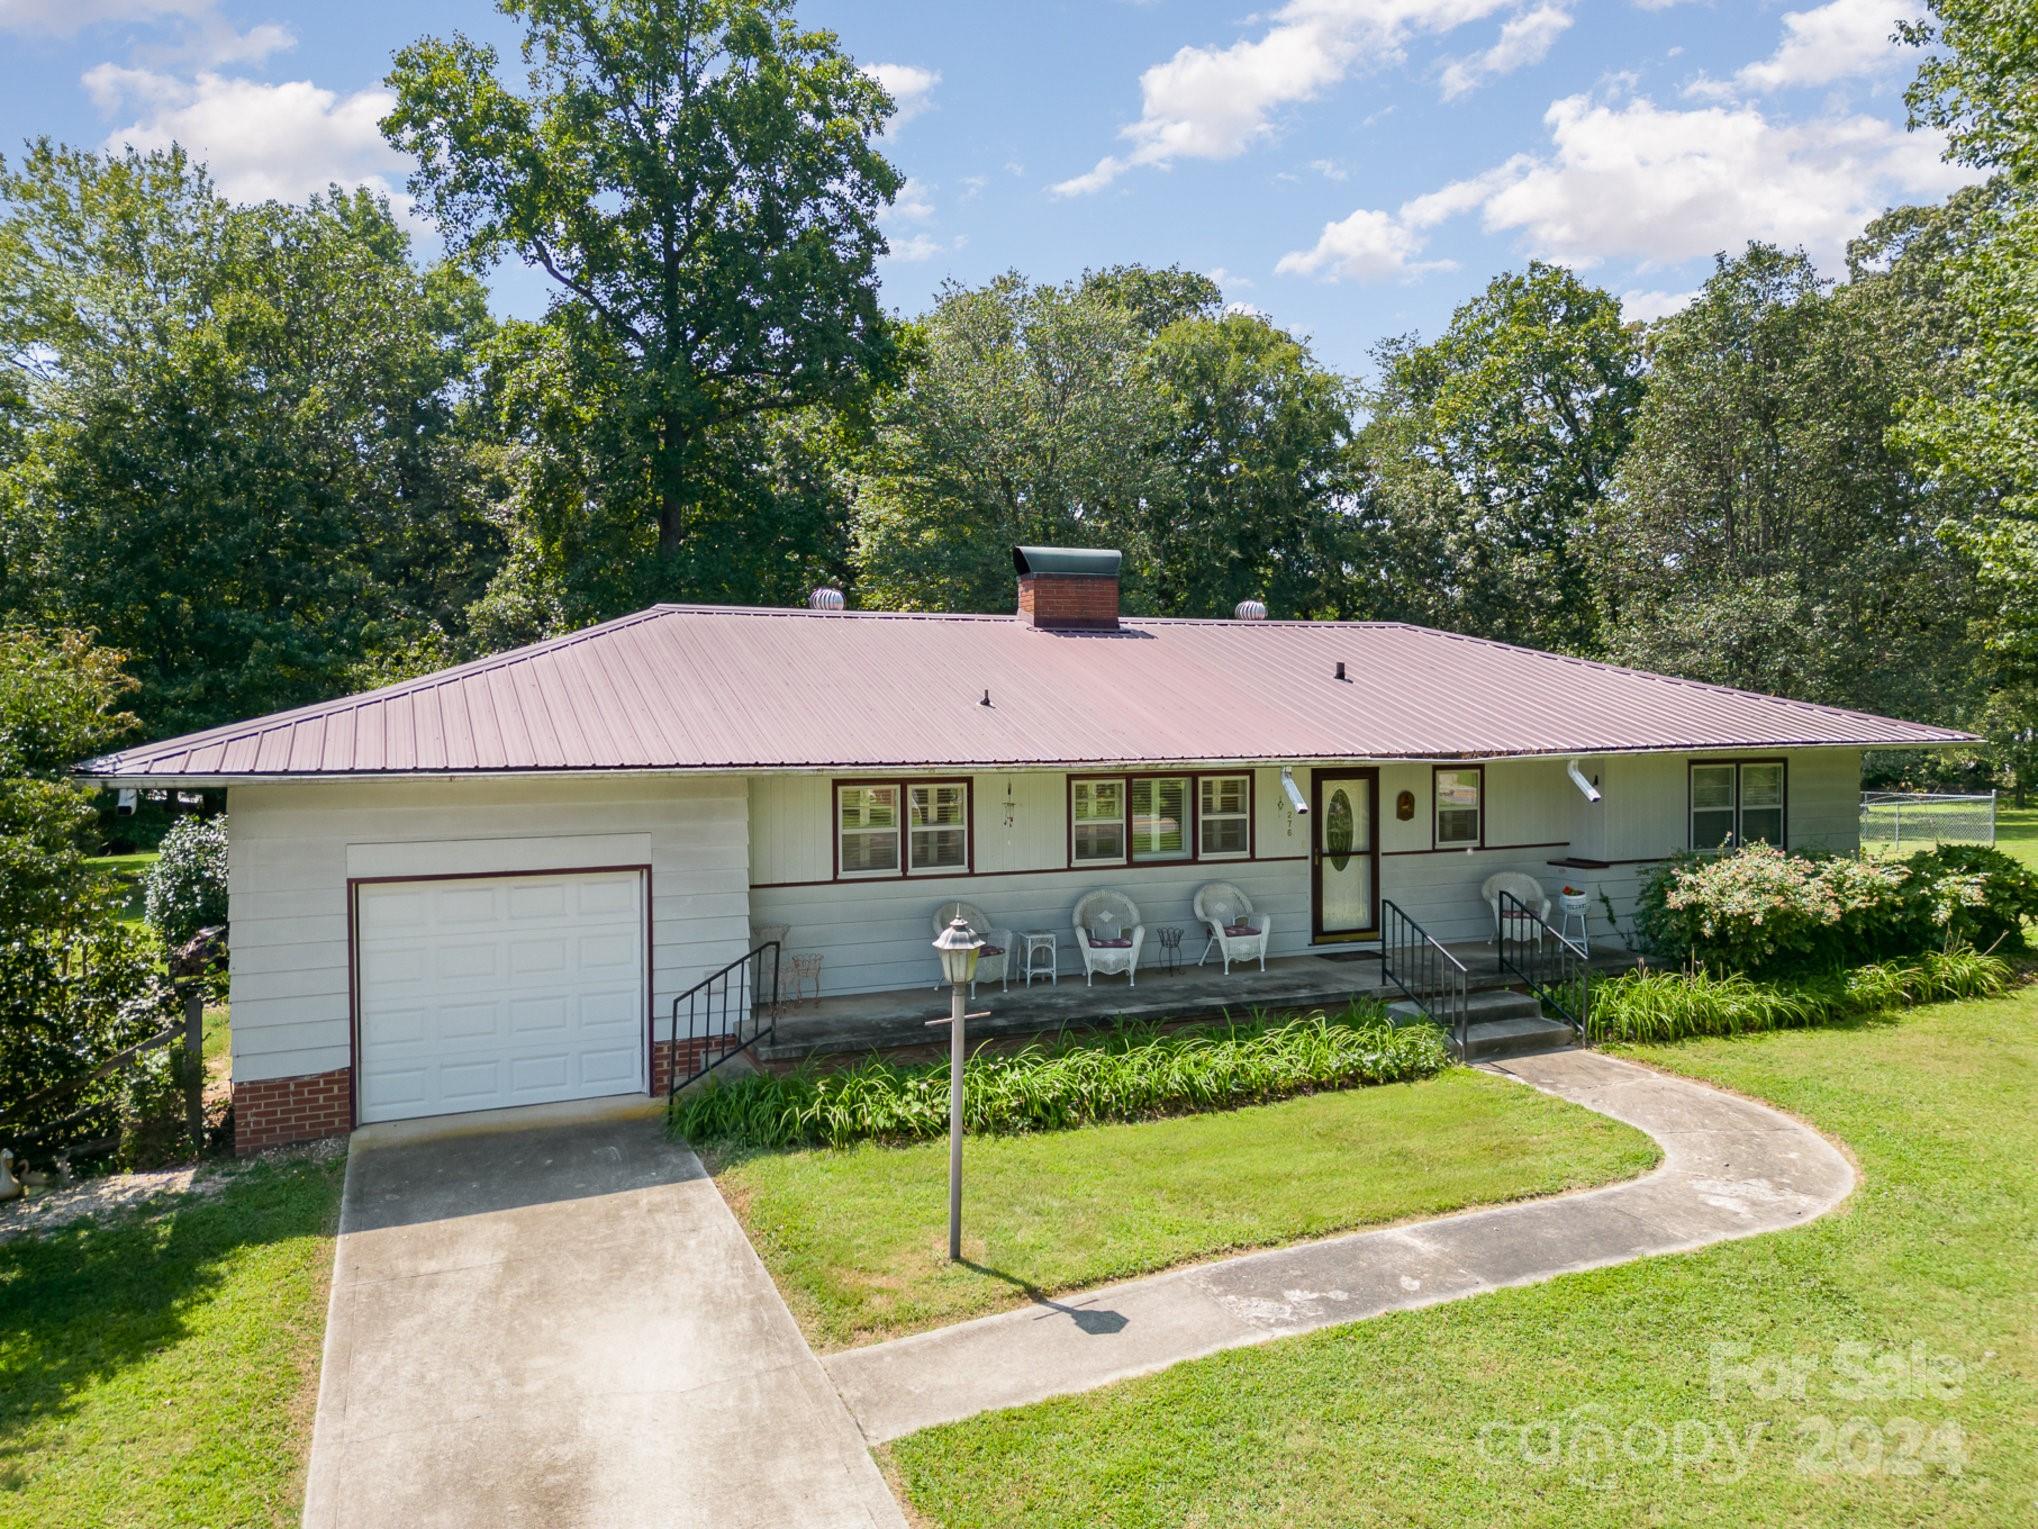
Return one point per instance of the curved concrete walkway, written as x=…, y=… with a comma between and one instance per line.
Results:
x=1731, y=1168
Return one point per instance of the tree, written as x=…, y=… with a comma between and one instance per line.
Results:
x=1256, y=439
x=1488, y=450
x=242, y=454
x=1765, y=531
x=1023, y=421
x=697, y=178
x=1979, y=84
x=76, y=983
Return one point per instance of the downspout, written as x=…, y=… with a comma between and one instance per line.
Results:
x=1590, y=791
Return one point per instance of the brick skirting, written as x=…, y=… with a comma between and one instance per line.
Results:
x=273, y=1112
x=689, y=1054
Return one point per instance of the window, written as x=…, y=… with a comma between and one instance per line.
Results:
x=937, y=833
x=1160, y=818
x=1224, y=816
x=892, y=828
x=1097, y=822
x=1459, y=808
x=1735, y=802
x=867, y=830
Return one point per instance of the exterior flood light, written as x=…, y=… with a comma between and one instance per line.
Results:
x=1295, y=797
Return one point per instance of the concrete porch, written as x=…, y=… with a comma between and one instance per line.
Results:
x=863, y=1022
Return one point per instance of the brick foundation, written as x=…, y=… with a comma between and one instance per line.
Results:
x=273, y=1112
x=688, y=1054
x=1068, y=602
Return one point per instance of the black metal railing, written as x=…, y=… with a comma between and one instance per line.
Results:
x=726, y=1013
x=1553, y=968
x=1431, y=976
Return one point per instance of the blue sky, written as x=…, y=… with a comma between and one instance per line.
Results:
x=1354, y=168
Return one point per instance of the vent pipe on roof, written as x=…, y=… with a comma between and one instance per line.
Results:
x=825, y=599
x=1249, y=610
x=1578, y=779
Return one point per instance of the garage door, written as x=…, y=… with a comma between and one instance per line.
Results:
x=478, y=993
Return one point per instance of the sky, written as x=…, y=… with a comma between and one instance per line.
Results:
x=1355, y=169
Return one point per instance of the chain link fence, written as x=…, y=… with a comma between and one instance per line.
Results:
x=1894, y=821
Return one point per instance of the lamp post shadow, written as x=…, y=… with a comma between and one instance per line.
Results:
x=1091, y=1320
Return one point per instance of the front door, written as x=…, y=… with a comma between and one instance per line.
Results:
x=1344, y=854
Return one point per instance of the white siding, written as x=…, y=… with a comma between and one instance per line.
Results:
x=873, y=935
x=293, y=847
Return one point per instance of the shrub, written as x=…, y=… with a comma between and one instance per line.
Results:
x=1764, y=911
x=1648, y=1006
x=185, y=890
x=1133, y=1074
x=1984, y=896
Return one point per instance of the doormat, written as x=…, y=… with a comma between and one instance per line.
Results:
x=1346, y=955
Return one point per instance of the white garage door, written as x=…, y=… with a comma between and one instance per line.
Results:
x=480, y=993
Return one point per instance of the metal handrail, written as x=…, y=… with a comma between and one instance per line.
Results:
x=1556, y=969
x=729, y=990
x=1434, y=979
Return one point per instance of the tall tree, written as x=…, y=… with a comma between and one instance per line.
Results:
x=1765, y=531
x=1022, y=421
x=1487, y=452
x=697, y=179
x=1979, y=83
x=241, y=457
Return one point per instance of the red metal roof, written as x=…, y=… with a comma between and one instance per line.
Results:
x=713, y=688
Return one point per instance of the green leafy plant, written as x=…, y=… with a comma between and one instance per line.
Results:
x=1134, y=1073
x=1647, y=1006
x=1984, y=896
x=185, y=890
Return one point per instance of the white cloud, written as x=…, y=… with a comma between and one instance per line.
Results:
x=1229, y=281
x=1640, y=182
x=910, y=86
x=920, y=247
x=258, y=140
x=1215, y=103
x=1847, y=37
x=67, y=18
x=1367, y=246
x=1525, y=39
x=973, y=186
x=914, y=203
x=1329, y=169
x=1647, y=307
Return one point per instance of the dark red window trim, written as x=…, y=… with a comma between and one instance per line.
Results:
x=1737, y=762
x=1195, y=778
x=905, y=872
x=1456, y=769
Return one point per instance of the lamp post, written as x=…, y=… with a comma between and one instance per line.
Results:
x=958, y=946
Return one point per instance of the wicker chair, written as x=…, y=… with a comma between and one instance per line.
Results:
x=1107, y=954
x=1524, y=888
x=1236, y=932
x=994, y=960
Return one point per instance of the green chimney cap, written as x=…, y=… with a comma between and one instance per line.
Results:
x=1078, y=562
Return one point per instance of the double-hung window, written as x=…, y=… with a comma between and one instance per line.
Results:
x=1224, y=817
x=867, y=830
x=1460, y=808
x=1097, y=822
x=896, y=828
x=1160, y=818
x=937, y=827
x=1737, y=802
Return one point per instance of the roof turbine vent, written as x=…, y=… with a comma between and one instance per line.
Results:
x=1249, y=610
x=825, y=599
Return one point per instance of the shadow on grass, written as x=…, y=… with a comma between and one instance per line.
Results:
x=82, y=1304
x=1088, y=1319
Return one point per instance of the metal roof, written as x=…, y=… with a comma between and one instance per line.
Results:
x=716, y=688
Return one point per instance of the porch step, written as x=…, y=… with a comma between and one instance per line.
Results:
x=1502, y=1023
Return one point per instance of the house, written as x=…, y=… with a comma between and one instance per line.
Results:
x=486, y=886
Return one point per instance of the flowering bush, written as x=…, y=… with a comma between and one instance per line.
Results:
x=185, y=890
x=1761, y=909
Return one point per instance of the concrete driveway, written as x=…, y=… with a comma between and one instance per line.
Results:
x=562, y=1324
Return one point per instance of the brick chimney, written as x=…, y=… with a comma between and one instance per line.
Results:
x=1067, y=589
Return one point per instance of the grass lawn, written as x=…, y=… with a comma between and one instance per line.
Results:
x=2017, y=833
x=857, y=1237
x=1589, y=1400
x=128, y=870
x=162, y=1370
